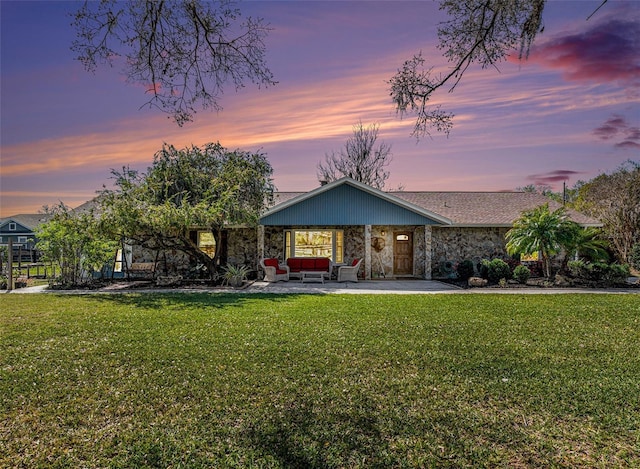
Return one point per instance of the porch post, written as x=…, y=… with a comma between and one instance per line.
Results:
x=260, y=245
x=428, y=235
x=367, y=252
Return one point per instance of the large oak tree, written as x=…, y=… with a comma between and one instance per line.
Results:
x=183, y=52
x=206, y=188
x=614, y=199
x=482, y=32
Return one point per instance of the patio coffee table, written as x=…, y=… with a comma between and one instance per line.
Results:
x=312, y=275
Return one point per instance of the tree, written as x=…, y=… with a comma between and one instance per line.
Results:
x=204, y=188
x=478, y=31
x=75, y=242
x=614, y=199
x=360, y=159
x=540, y=230
x=184, y=52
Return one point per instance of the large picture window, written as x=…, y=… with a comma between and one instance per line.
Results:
x=315, y=243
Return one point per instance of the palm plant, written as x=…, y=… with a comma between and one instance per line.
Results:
x=585, y=242
x=540, y=230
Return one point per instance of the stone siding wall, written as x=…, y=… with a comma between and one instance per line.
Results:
x=242, y=247
x=453, y=245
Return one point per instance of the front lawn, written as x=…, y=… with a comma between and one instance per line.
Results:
x=202, y=380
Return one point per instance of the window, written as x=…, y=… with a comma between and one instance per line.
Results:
x=12, y=227
x=316, y=243
x=207, y=243
x=22, y=239
x=117, y=267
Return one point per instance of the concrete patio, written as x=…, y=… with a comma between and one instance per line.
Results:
x=406, y=287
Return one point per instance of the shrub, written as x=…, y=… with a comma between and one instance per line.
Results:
x=512, y=263
x=599, y=273
x=521, y=273
x=634, y=257
x=483, y=268
x=498, y=269
x=465, y=269
x=618, y=274
x=577, y=269
x=536, y=268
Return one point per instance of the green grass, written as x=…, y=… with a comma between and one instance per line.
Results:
x=200, y=380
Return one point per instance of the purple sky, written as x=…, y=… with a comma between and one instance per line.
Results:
x=572, y=111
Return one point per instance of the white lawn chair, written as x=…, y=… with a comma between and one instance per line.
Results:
x=349, y=273
x=274, y=271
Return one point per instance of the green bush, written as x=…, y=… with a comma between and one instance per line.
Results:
x=634, y=258
x=498, y=269
x=521, y=273
x=465, y=269
x=599, y=273
x=483, y=268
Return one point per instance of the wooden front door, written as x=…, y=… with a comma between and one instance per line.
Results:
x=402, y=253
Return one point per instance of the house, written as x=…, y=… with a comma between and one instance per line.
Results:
x=398, y=234
x=21, y=230
x=401, y=234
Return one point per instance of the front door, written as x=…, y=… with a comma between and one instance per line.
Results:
x=402, y=253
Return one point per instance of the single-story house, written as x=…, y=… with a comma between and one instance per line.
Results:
x=398, y=234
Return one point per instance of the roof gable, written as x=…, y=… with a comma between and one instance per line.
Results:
x=348, y=202
x=25, y=223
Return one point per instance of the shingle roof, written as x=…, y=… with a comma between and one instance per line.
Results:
x=28, y=220
x=473, y=208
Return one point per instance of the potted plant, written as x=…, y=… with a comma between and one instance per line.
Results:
x=235, y=275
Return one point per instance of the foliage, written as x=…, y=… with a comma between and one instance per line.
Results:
x=483, y=32
x=521, y=273
x=206, y=188
x=483, y=268
x=206, y=380
x=75, y=242
x=360, y=159
x=599, y=273
x=497, y=270
x=614, y=199
x=183, y=52
x=477, y=31
x=586, y=243
x=235, y=274
x=634, y=258
x=540, y=230
x=465, y=269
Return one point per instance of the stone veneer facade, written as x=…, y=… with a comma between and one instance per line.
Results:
x=452, y=245
x=433, y=248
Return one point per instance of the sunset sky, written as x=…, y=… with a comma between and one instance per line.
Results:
x=572, y=111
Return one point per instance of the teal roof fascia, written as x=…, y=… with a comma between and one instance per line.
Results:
x=347, y=202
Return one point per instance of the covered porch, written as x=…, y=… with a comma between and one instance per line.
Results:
x=347, y=220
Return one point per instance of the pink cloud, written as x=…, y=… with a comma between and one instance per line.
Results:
x=617, y=126
x=606, y=52
x=551, y=177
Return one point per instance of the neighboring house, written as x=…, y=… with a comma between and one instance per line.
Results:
x=397, y=234
x=21, y=230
